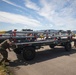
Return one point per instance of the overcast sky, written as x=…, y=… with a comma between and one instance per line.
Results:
x=38, y=14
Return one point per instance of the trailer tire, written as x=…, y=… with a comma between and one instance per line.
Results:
x=29, y=53
x=68, y=47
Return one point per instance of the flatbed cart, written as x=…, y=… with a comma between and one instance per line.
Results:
x=27, y=45
x=28, y=48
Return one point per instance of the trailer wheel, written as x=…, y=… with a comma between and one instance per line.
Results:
x=52, y=46
x=68, y=47
x=29, y=53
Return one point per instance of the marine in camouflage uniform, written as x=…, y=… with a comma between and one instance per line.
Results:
x=3, y=46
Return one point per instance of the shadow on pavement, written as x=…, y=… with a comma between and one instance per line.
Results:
x=42, y=56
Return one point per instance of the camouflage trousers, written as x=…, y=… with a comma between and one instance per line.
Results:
x=4, y=53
